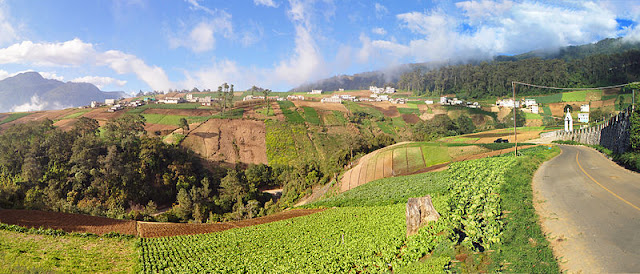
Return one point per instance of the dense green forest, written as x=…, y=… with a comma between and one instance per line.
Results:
x=494, y=79
x=607, y=62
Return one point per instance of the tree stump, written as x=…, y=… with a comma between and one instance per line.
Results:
x=420, y=211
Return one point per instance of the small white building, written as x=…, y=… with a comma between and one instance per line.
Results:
x=95, y=104
x=583, y=117
x=332, y=99
x=295, y=98
x=115, y=108
x=191, y=99
x=444, y=101
x=316, y=91
x=340, y=89
x=173, y=100
x=584, y=108
x=456, y=101
x=428, y=102
x=530, y=102
x=508, y=103
x=535, y=109
x=109, y=102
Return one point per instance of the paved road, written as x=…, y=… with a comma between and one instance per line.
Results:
x=590, y=207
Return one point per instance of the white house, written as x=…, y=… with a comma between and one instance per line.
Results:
x=375, y=89
x=444, y=100
x=456, y=101
x=109, y=102
x=295, y=97
x=530, y=102
x=95, y=104
x=584, y=108
x=332, y=99
x=115, y=108
x=535, y=109
x=173, y=100
x=428, y=102
x=316, y=91
x=508, y=103
x=381, y=98
x=340, y=89
x=583, y=117
x=191, y=99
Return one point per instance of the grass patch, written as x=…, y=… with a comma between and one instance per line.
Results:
x=230, y=114
x=77, y=114
x=434, y=155
x=532, y=116
x=291, y=115
x=385, y=126
x=263, y=111
x=14, y=116
x=286, y=104
x=409, y=110
x=398, y=122
x=523, y=246
x=311, y=116
x=554, y=98
x=28, y=253
x=575, y=96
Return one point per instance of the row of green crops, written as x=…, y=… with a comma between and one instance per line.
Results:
x=290, y=113
x=311, y=115
x=172, y=120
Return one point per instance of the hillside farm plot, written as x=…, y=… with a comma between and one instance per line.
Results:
x=34, y=253
x=77, y=114
x=547, y=99
x=320, y=106
x=312, y=244
x=575, y=96
x=67, y=222
x=311, y=116
x=13, y=116
x=409, y=110
x=290, y=113
x=287, y=143
x=229, y=141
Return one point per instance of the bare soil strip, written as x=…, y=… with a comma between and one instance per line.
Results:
x=99, y=225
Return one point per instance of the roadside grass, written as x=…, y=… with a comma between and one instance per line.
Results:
x=575, y=96
x=14, y=116
x=311, y=116
x=76, y=114
x=32, y=253
x=523, y=246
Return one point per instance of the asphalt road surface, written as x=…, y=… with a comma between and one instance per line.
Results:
x=590, y=209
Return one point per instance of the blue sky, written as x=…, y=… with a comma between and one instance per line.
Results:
x=147, y=45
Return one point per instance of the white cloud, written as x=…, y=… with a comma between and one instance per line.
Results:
x=36, y=104
x=304, y=64
x=379, y=31
x=99, y=81
x=51, y=75
x=4, y=74
x=268, y=3
x=7, y=32
x=75, y=53
x=381, y=10
x=488, y=28
x=195, y=5
x=202, y=37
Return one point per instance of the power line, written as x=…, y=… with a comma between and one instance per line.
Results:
x=547, y=87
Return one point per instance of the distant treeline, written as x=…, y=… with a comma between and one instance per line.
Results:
x=494, y=79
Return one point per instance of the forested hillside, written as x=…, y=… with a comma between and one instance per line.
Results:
x=609, y=61
x=494, y=79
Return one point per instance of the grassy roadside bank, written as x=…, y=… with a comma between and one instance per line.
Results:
x=524, y=247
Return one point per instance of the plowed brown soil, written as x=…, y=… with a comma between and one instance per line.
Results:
x=229, y=141
x=67, y=221
x=410, y=118
x=66, y=124
x=164, y=129
x=153, y=230
x=101, y=114
x=99, y=225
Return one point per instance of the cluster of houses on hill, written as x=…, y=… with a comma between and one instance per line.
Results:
x=377, y=90
x=270, y=98
x=446, y=101
x=527, y=105
x=372, y=98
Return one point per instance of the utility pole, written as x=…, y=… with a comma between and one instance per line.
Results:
x=515, y=129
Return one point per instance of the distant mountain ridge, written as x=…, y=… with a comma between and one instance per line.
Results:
x=393, y=75
x=30, y=91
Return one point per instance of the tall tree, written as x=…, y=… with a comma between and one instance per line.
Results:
x=266, y=93
x=183, y=124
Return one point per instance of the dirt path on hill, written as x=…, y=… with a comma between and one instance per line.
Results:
x=100, y=225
